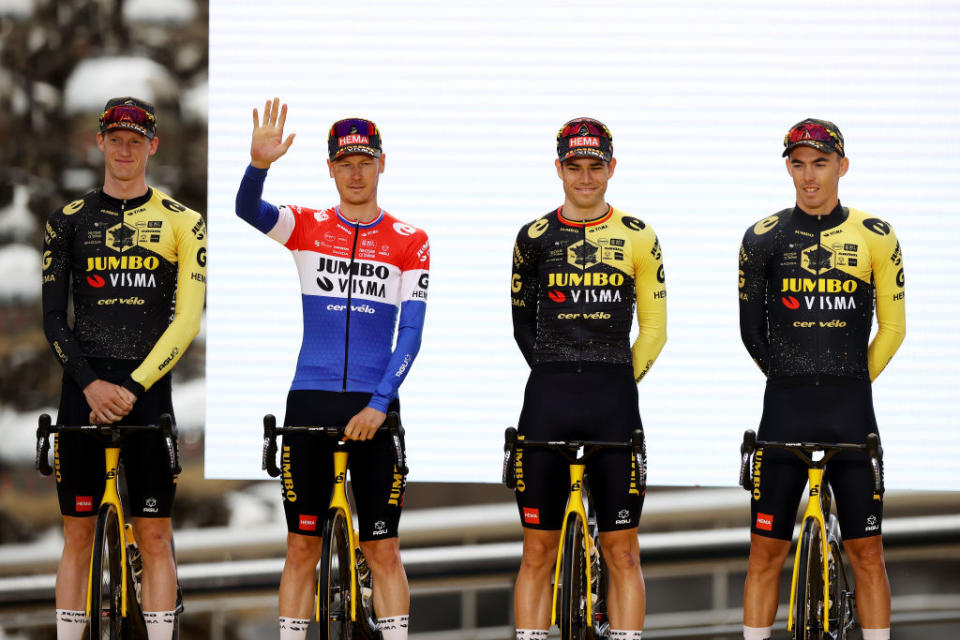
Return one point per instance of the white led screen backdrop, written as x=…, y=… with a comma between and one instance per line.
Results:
x=698, y=96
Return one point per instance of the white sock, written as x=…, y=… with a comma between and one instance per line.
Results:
x=757, y=633
x=293, y=628
x=625, y=635
x=71, y=624
x=532, y=634
x=393, y=628
x=876, y=634
x=159, y=624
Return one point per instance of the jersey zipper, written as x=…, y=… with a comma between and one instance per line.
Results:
x=346, y=336
x=583, y=297
x=819, y=315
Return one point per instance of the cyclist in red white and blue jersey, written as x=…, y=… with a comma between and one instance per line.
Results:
x=360, y=268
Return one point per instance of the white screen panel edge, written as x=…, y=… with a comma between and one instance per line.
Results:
x=469, y=99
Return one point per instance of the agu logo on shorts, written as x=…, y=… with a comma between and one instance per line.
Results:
x=308, y=523
x=84, y=503
x=764, y=522
x=531, y=516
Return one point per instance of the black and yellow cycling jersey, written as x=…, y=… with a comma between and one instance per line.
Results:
x=138, y=274
x=807, y=290
x=575, y=286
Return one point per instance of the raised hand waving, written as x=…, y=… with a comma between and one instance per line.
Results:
x=268, y=145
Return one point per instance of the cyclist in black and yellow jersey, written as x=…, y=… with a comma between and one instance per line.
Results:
x=810, y=277
x=135, y=260
x=579, y=271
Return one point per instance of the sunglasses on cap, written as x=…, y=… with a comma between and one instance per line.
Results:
x=127, y=113
x=575, y=127
x=357, y=126
x=810, y=131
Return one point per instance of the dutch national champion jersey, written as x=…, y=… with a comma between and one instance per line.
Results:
x=575, y=286
x=137, y=271
x=355, y=278
x=808, y=285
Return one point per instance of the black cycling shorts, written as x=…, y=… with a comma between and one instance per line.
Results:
x=79, y=459
x=836, y=412
x=307, y=464
x=600, y=404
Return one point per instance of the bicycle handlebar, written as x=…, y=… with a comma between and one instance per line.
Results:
x=871, y=447
x=106, y=433
x=637, y=444
x=271, y=430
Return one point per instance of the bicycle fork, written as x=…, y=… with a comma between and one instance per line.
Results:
x=112, y=496
x=338, y=501
x=574, y=505
x=814, y=511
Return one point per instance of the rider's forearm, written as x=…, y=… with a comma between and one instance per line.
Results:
x=249, y=206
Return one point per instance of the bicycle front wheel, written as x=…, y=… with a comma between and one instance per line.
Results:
x=573, y=588
x=809, y=597
x=106, y=583
x=333, y=588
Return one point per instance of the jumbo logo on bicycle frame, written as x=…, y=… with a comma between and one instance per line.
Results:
x=575, y=486
x=814, y=491
x=339, y=479
x=111, y=474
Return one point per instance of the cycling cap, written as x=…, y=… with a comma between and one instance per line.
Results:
x=819, y=134
x=585, y=137
x=131, y=114
x=354, y=135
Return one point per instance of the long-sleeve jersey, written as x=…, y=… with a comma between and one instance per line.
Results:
x=807, y=290
x=354, y=279
x=575, y=286
x=138, y=274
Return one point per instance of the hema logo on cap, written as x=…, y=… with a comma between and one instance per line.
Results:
x=353, y=139
x=584, y=141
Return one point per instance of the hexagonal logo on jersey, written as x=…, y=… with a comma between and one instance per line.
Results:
x=817, y=259
x=583, y=254
x=121, y=237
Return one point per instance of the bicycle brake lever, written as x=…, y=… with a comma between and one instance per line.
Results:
x=875, y=451
x=399, y=451
x=42, y=462
x=268, y=460
x=509, y=447
x=169, y=430
x=746, y=451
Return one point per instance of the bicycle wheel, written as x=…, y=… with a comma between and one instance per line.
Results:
x=840, y=611
x=133, y=625
x=333, y=588
x=808, y=599
x=105, y=587
x=573, y=586
x=366, y=624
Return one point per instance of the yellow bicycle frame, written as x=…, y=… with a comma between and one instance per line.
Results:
x=112, y=496
x=338, y=500
x=813, y=511
x=574, y=505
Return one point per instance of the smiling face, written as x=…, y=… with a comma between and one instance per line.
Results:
x=125, y=156
x=816, y=178
x=585, y=184
x=356, y=176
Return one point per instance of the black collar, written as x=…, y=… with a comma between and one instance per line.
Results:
x=808, y=222
x=118, y=204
